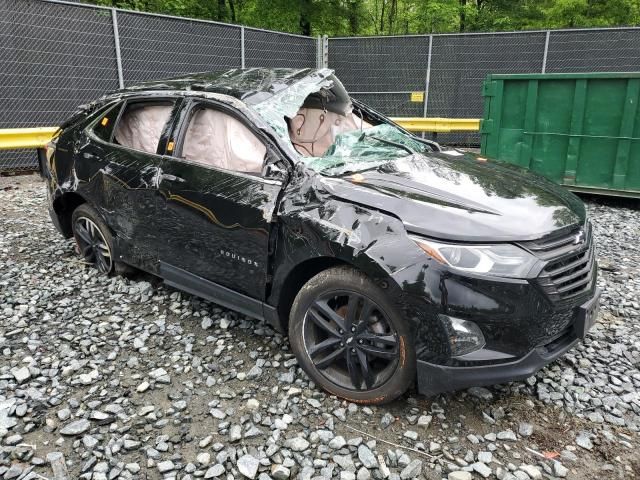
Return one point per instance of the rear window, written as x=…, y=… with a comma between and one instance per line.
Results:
x=103, y=128
x=141, y=125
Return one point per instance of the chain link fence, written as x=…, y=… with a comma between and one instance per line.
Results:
x=55, y=55
x=450, y=68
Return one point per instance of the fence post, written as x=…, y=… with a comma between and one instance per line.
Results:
x=116, y=40
x=546, y=51
x=325, y=51
x=427, y=80
x=319, y=52
x=242, y=58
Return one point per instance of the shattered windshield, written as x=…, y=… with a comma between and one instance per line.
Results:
x=316, y=120
x=286, y=103
x=362, y=149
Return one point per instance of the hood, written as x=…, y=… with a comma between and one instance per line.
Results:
x=462, y=197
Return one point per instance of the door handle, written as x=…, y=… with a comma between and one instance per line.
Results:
x=172, y=178
x=91, y=156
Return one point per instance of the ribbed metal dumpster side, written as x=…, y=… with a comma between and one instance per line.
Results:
x=580, y=130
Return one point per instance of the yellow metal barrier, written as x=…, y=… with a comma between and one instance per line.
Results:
x=16, y=138
x=439, y=125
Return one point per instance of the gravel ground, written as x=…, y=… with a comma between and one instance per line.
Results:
x=108, y=378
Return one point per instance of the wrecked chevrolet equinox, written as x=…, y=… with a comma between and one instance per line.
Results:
x=387, y=258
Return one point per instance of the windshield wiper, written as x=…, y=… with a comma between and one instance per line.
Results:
x=388, y=142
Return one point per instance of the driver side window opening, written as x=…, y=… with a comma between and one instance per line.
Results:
x=313, y=131
x=321, y=118
x=214, y=138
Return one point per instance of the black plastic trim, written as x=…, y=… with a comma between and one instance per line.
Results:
x=56, y=220
x=434, y=379
x=43, y=171
x=190, y=283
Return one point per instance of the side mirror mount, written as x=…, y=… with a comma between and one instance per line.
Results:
x=274, y=169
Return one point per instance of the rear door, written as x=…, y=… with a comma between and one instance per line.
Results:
x=123, y=167
x=217, y=204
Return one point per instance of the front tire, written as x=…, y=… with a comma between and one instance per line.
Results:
x=349, y=338
x=93, y=239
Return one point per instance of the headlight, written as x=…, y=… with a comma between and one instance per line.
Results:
x=503, y=260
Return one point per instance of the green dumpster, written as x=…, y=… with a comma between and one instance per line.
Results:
x=580, y=130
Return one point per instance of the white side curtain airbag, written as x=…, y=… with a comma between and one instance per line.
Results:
x=140, y=128
x=214, y=138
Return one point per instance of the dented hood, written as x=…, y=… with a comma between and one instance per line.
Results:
x=455, y=196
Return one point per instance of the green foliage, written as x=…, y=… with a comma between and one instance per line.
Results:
x=398, y=17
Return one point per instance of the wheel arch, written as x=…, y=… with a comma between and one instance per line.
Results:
x=295, y=279
x=308, y=268
x=63, y=207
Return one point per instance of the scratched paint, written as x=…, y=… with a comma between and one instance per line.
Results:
x=355, y=206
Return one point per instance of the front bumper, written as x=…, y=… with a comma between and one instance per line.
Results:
x=434, y=379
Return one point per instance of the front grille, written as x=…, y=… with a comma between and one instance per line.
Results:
x=555, y=325
x=570, y=270
x=559, y=341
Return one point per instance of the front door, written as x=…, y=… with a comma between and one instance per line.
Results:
x=216, y=206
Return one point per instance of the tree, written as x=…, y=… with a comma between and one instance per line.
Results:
x=463, y=15
x=354, y=9
x=386, y=17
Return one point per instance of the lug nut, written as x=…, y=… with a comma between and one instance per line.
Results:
x=342, y=344
x=360, y=342
x=353, y=350
x=353, y=329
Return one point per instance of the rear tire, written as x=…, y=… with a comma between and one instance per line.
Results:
x=349, y=338
x=93, y=239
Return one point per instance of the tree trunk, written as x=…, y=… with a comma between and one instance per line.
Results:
x=393, y=11
x=232, y=8
x=463, y=15
x=384, y=2
x=354, y=18
x=222, y=10
x=305, y=14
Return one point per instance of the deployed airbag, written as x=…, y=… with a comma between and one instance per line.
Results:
x=217, y=139
x=141, y=126
x=313, y=130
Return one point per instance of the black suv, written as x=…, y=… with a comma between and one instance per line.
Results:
x=385, y=256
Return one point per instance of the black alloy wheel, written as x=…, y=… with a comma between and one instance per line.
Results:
x=93, y=239
x=350, y=340
x=92, y=244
